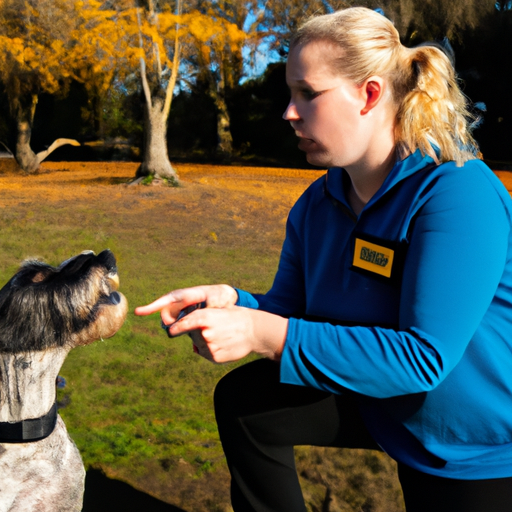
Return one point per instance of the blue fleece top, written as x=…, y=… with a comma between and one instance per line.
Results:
x=408, y=307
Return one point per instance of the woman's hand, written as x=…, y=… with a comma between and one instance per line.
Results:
x=221, y=332
x=170, y=305
x=229, y=334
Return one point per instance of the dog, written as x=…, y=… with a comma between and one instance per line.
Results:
x=46, y=311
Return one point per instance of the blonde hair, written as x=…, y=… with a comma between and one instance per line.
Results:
x=430, y=107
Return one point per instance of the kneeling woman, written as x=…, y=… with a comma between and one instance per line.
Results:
x=388, y=324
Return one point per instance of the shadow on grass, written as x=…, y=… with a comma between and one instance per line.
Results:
x=91, y=181
x=103, y=494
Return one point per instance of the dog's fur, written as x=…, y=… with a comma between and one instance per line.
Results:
x=45, y=311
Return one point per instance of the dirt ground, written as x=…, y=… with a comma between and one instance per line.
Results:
x=83, y=179
x=77, y=178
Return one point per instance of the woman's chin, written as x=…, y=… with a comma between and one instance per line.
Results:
x=318, y=159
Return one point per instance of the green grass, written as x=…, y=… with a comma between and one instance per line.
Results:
x=139, y=405
x=144, y=395
x=141, y=398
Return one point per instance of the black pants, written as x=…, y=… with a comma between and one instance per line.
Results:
x=260, y=420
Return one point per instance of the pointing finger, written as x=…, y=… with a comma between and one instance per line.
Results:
x=183, y=298
x=158, y=304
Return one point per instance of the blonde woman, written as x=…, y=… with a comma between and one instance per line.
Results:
x=389, y=322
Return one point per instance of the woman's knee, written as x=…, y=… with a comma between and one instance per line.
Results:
x=244, y=390
x=223, y=399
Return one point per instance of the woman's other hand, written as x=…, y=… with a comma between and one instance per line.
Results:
x=229, y=334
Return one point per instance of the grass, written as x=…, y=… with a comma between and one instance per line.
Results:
x=139, y=405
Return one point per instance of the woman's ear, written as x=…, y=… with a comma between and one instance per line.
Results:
x=373, y=90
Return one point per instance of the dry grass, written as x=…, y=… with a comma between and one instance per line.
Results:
x=506, y=179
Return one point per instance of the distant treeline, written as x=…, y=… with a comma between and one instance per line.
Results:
x=483, y=60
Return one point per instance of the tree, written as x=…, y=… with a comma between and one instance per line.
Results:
x=432, y=19
x=216, y=56
x=416, y=21
x=106, y=60
x=282, y=18
x=42, y=47
x=154, y=33
x=484, y=54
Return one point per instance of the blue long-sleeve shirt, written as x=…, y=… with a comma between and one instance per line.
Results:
x=408, y=306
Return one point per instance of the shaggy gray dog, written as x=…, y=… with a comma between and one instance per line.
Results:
x=46, y=311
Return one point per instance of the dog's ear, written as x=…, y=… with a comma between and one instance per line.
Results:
x=31, y=271
x=75, y=269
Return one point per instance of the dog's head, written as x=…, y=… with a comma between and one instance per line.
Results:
x=73, y=304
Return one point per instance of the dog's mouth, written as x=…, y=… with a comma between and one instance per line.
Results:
x=112, y=284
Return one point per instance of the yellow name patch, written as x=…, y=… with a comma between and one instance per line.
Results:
x=373, y=258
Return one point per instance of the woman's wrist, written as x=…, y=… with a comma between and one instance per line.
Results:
x=269, y=333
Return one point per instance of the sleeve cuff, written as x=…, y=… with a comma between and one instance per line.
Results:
x=246, y=300
x=293, y=370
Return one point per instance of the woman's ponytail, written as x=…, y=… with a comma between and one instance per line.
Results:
x=432, y=111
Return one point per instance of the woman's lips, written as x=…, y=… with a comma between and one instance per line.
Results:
x=306, y=144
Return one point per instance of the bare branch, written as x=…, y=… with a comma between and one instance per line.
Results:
x=56, y=144
x=153, y=19
x=143, y=76
x=175, y=65
x=6, y=148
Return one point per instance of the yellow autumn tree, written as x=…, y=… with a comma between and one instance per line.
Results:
x=107, y=57
x=43, y=45
x=168, y=37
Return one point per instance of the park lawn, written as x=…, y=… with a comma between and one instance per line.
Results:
x=139, y=405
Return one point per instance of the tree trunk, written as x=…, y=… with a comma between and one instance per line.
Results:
x=24, y=109
x=155, y=158
x=224, y=137
x=217, y=89
x=28, y=161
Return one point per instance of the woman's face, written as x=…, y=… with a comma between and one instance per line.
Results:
x=325, y=109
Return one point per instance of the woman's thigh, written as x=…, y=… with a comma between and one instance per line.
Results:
x=288, y=415
x=428, y=493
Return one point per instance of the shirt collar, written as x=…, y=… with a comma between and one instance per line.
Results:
x=338, y=181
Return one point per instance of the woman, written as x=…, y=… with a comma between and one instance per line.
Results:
x=388, y=324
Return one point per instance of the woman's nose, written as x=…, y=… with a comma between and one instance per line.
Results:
x=291, y=114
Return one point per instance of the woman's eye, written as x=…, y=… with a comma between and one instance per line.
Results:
x=309, y=95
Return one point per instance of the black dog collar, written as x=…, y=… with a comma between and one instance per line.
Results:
x=27, y=431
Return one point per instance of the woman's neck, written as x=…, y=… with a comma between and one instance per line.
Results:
x=367, y=178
